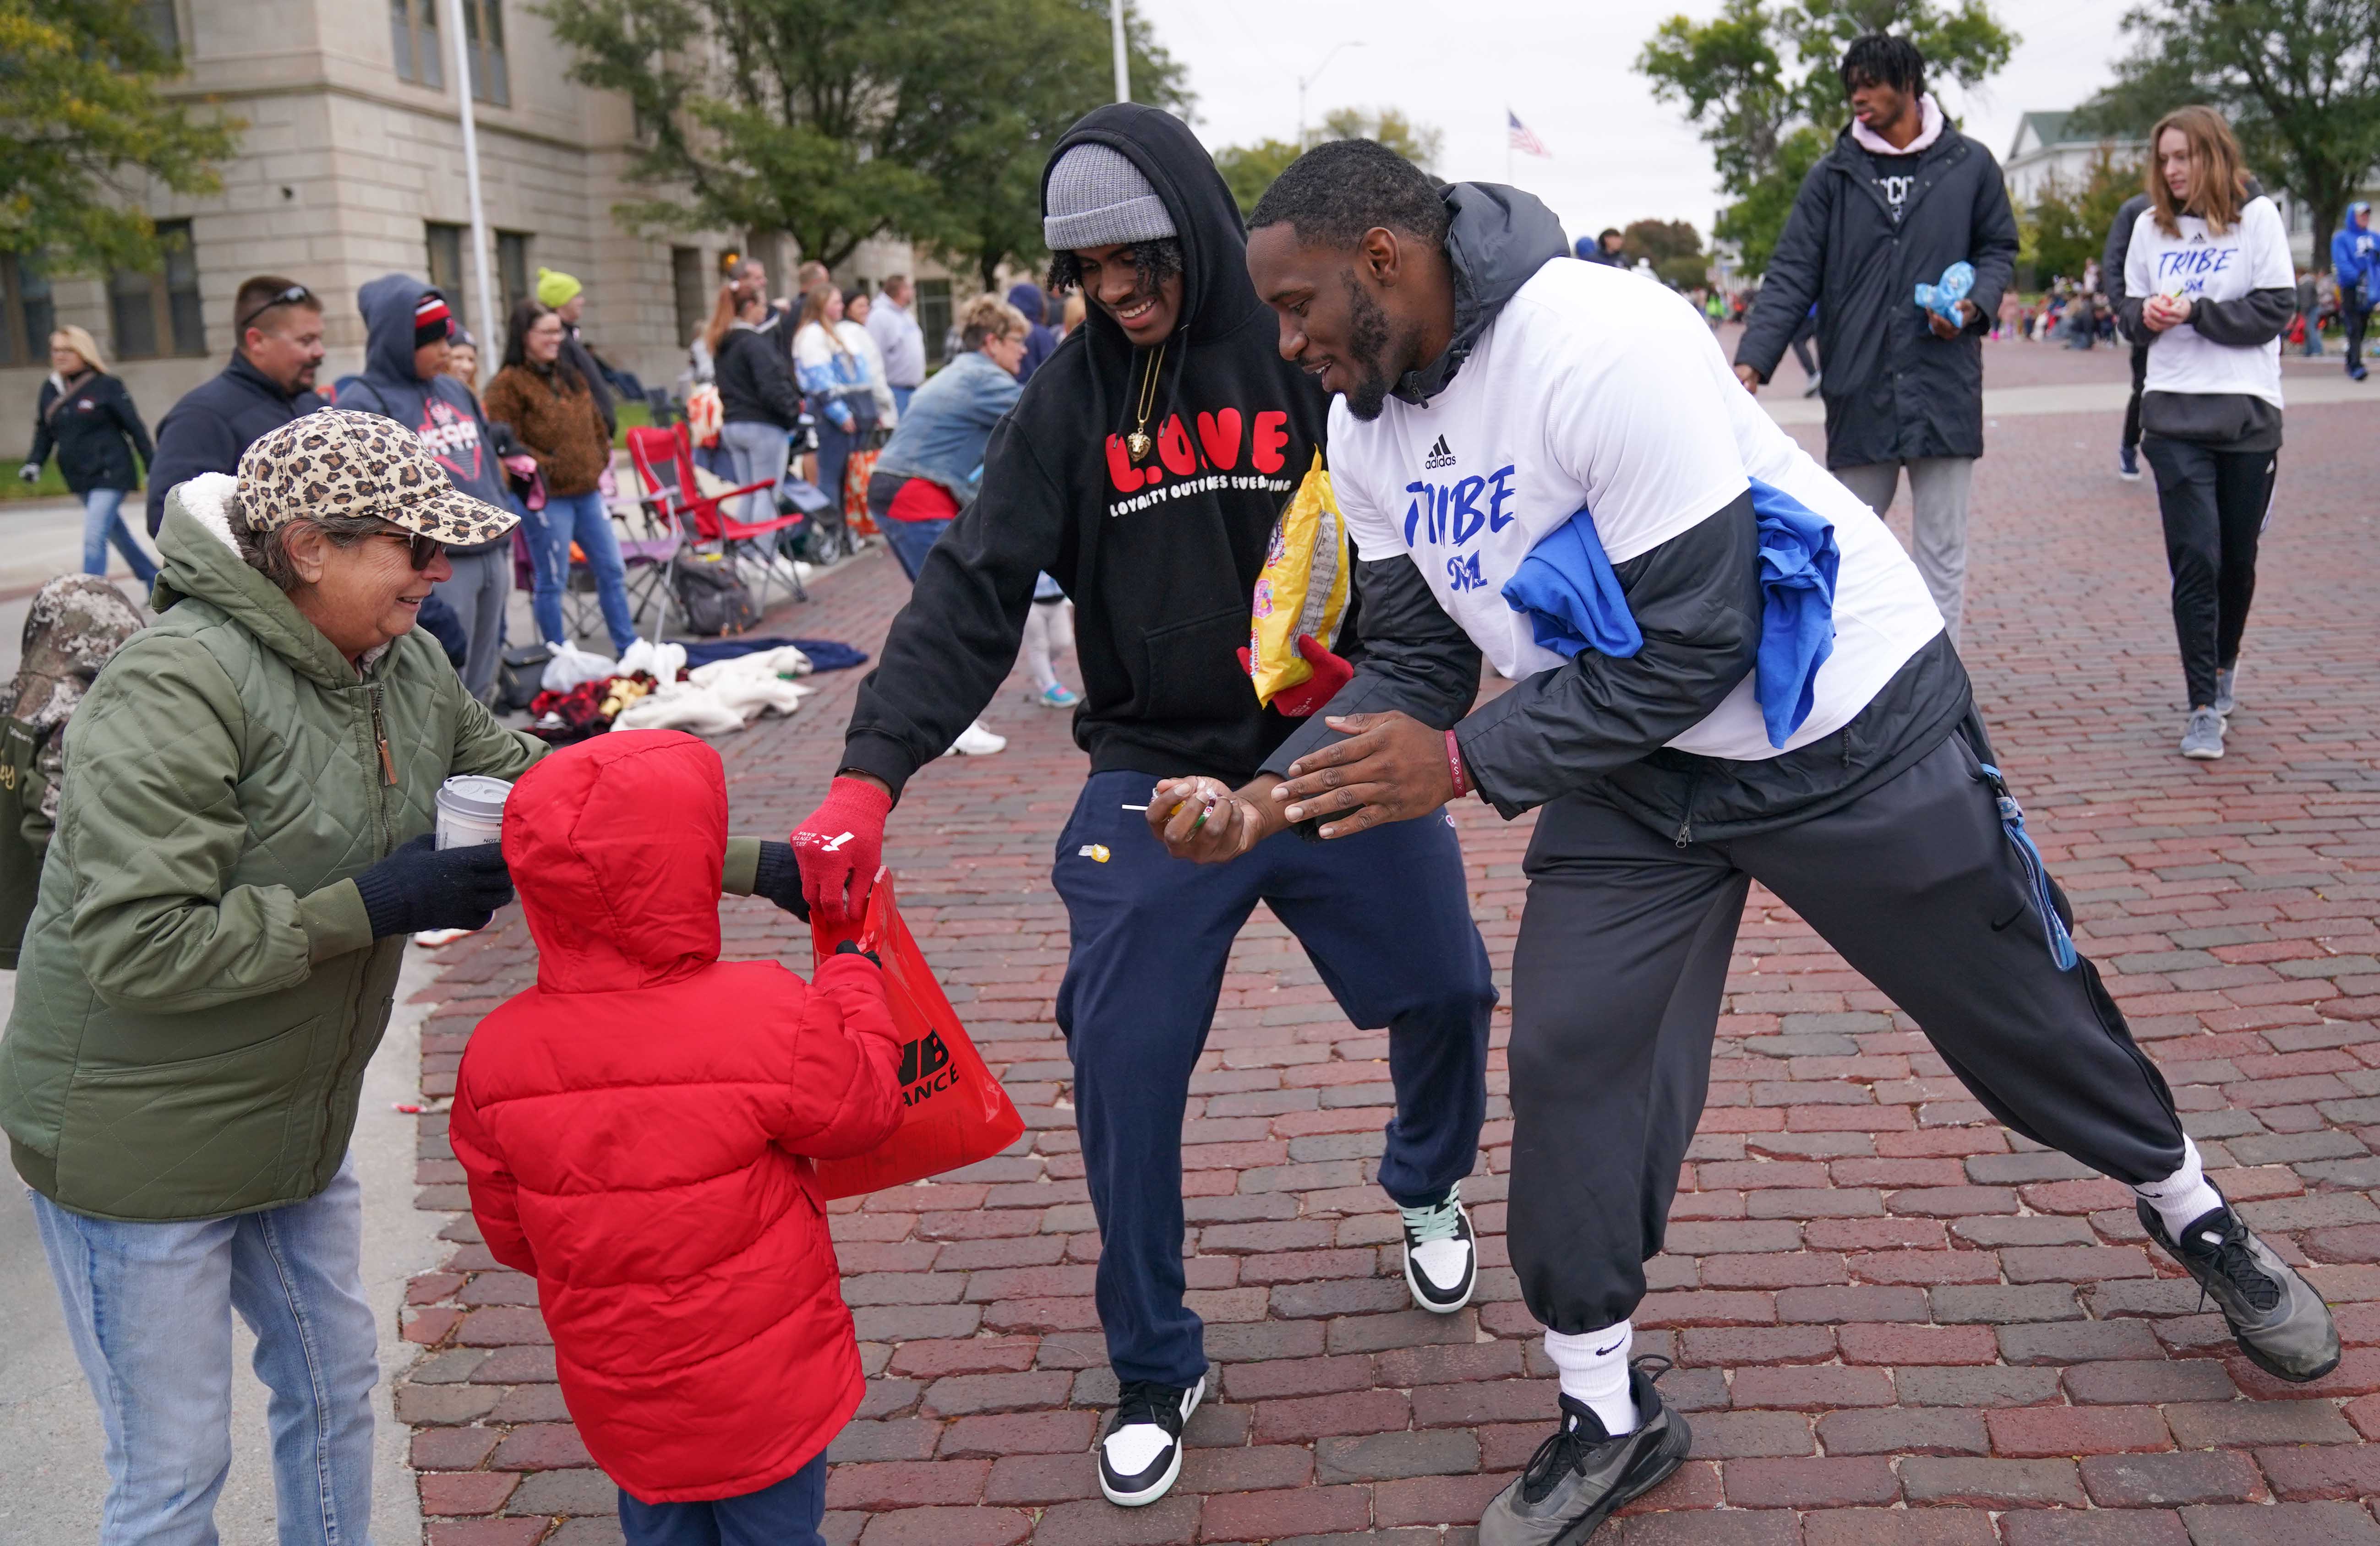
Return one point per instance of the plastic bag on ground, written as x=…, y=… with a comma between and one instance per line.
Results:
x=571, y=665
x=660, y=661
x=953, y=1112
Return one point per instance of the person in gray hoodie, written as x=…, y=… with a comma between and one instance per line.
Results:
x=405, y=328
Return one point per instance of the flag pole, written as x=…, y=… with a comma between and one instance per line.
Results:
x=1508, y=145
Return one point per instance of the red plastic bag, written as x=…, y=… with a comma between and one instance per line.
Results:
x=956, y=1113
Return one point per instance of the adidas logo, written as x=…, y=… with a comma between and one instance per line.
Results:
x=1439, y=456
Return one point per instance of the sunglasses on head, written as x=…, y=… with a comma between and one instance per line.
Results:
x=421, y=550
x=297, y=294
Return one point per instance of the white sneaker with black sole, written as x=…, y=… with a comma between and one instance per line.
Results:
x=1140, y=1455
x=1442, y=1265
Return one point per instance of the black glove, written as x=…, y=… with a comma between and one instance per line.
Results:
x=851, y=948
x=779, y=878
x=422, y=885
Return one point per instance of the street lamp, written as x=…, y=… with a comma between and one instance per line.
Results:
x=1306, y=80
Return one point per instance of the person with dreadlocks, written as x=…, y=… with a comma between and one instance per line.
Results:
x=1143, y=468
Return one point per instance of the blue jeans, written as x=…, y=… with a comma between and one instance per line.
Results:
x=148, y=1309
x=784, y=1514
x=1385, y=917
x=581, y=518
x=911, y=541
x=761, y=453
x=102, y=524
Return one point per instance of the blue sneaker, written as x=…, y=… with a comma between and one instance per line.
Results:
x=2128, y=464
x=1055, y=696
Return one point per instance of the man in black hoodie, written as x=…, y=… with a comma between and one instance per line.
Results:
x=1493, y=392
x=1143, y=469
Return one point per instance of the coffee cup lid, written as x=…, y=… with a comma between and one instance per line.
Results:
x=474, y=794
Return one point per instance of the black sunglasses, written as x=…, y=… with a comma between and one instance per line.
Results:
x=422, y=550
x=297, y=294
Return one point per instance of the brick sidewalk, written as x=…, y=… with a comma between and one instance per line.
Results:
x=1892, y=1322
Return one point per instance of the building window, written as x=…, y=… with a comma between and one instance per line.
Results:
x=156, y=314
x=483, y=40
x=413, y=28
x=447, y=245
x=691, y=285
x=934, y=315
x=163, y=27
x=31, y=319
x=512, y=268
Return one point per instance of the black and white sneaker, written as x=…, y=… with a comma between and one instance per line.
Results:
x=2277, y=1319
x=1141, y=1453
x=1580, y=1475
x=1441, y=1267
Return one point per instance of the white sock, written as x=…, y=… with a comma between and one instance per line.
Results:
x=1595, y=1371
x=2183, y=1196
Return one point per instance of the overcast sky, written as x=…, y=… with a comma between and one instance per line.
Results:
x=1563, y=67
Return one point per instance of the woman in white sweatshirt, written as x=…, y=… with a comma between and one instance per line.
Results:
x=2208, y=282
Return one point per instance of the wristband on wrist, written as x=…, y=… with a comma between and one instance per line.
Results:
x=1454, y=766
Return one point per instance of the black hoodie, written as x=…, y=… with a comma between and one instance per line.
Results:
x=1160, y=558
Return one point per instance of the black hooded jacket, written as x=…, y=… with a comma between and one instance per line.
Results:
x=95, y=430
x=1893, y=390
x=1160, y=557
x=1600, y=723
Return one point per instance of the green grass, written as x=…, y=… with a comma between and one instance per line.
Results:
x=632, y=415
x=53, y=485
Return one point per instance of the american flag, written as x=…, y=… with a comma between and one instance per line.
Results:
x=1524, y=141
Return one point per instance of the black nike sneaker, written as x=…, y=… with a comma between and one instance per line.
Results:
x=1140, y=1455
x=1578, y=1476
x=2277, y=1319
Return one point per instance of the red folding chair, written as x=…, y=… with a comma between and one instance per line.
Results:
x=664, y=462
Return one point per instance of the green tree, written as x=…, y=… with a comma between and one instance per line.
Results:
x=1760, y=77
x=2066, y=229
x=88, y=138
x=835, y=120
x=1674, y=247
x=1249, y=170
x=2299, y=79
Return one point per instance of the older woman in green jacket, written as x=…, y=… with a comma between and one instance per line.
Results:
x=243, y=845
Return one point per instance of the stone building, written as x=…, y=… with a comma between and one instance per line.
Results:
x=351, y=166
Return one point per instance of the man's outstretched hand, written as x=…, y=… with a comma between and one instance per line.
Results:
x=1945, y=327
x=1750, y=378
x=841, y=847
x=1207, y=822
x=1391, y=767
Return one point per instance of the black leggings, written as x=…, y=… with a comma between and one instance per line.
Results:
x=2215, y=503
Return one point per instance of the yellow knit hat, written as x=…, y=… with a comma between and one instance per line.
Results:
x=554, y=289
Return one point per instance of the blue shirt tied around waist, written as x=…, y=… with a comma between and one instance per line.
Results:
x=1574, y=601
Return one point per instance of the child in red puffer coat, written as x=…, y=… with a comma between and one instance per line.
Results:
x=639, y=1129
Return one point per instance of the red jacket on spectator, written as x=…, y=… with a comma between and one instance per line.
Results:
x=639, y=1126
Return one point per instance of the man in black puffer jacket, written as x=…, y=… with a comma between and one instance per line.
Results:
x=269, y=381
x=1900, y=197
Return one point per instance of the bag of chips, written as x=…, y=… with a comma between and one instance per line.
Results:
x=1302, y=591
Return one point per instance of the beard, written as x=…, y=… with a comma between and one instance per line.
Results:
x=1367, y=350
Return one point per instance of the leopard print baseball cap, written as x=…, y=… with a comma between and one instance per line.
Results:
x=339, y=462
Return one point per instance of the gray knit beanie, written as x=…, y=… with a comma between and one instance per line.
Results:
x=1097, y=198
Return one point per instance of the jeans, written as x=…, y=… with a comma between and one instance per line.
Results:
x=784, y=1514
x=761, y=451
x=1151, y=937
x=2213, y=503
x=1937, y=521
x=835, y=448
x=478, y=591
x=911, y=541
x=148, y=1308
x=581, y=518
x=901, y=397
x=102, y=524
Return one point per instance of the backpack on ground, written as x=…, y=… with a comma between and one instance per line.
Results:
x=710, y=596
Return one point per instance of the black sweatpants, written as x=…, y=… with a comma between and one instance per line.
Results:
x=1622, y=956
x=2355, y=318
x=2133, y=404
x=1385, y=917
x=2213, y=504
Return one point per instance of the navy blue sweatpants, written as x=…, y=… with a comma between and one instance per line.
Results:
x=784, y=1514
x=1385, y=919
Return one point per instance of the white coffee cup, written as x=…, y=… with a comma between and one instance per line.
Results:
x=471, y=810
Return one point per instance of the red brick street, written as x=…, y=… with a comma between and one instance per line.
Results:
x=1892, y=1322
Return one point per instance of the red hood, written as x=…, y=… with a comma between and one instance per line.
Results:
x=616, y=846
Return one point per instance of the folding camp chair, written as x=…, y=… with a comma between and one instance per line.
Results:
x=664, y=461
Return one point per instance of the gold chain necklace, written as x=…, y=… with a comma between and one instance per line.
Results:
x=1138, y=441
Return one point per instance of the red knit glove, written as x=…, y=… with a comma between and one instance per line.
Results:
x=840, y=848
x=1330, y=674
